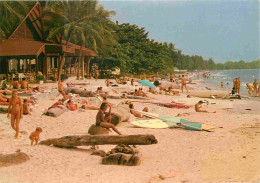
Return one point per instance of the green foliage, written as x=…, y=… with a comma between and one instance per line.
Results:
x=40, y=77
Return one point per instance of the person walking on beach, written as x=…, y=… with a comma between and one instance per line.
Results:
x=250, y=89
x=103, y=118
x=221, y=84
x=183, y=83
x=61, y=89
x=16, y=109
x=107, y=82
x=255, y=84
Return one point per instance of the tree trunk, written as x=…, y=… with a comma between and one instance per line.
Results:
x=88, y=60
x=82, y=68
x=80, y=140
x=61, y=63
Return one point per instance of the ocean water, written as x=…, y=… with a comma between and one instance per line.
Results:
x=246, y=76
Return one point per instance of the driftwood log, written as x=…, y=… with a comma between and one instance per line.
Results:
x=122, y=155
x=3, y=110
x=87, y=140
x=13, y=159
x=120, y=113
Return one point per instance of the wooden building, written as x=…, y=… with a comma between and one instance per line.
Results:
x=26, y=50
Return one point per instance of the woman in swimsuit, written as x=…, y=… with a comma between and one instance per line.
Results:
x=16, y=109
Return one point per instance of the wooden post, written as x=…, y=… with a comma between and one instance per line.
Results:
x=37, y=65
x=45, y=68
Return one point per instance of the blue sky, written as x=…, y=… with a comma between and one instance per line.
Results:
x=219, y=29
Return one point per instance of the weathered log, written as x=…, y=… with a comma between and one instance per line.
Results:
x=122, y=159
x=120, y=113
x=3, y=110
x=80, y=140
x=13, y=159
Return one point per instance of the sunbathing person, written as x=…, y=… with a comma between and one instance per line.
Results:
x=37, y=89
x=71, y=106
x=3, y=98
x=151, y=90
x=85, y=105
x=26, y=107
x=24, y=84
x=103, y=118
x=16, y=109
x=141, y=93
x=136, y=113
x=15, y=84
x=198, y=107
x=99, y=90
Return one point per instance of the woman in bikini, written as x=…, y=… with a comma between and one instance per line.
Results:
x=16, y=109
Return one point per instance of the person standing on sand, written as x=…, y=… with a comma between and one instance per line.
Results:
x=61, y=89
x=103, y=118
x=107, y=82
x=238, y=85
x=132, y=82
x=16, y=109
x=250, y=89
x=24, y=84
x=183, y=83
x=255, y=84
x=171, y=77
x=221, y=84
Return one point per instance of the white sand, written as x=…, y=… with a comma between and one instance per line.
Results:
x=228, y=154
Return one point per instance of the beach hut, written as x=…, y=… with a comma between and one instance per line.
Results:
x=26, y=50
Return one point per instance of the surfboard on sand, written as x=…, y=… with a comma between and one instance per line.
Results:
x=170, y=120
x=150, y=123
x=197, y=126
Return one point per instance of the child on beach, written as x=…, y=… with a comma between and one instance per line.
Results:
x=61, y=89
x=198, y=107
x=35, y=136
x=107, y=82
x=25, y=107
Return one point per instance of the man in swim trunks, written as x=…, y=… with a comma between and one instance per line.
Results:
x=104, y=121
x=238, y=85
x=183, y=83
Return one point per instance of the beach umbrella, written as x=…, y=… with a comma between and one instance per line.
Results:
x=147, y=83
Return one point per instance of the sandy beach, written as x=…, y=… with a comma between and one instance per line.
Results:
x=231, y=153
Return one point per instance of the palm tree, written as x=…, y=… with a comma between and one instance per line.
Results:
x=80, y=19
x=11, y=13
